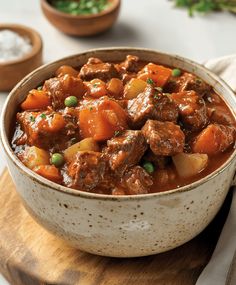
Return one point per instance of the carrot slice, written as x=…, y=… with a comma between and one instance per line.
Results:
x=158, y=73
x=52, y=124
x=101, y=121
x=96, y=88
x=36, y=99
x=50, y=172
x=214, y=139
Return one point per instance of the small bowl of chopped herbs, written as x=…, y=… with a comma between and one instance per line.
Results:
x=81, y=17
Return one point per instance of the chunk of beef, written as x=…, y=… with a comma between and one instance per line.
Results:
x=137, y=181
x=220, y=115
x=118, y=190
x=126, y=77
x=125, y=150
x=191, y=82
x=151, y=105
x=192, y=109
x=188, y=82
x=45, y=129
x=213, y=99
x=159, y=161
x=165, y=138
x=59, y=88
x=165, y=109
x=214, y=138
x=165, y=177
x=94, y=60
x=87, y=170
x=130, y=64
x=95, y=68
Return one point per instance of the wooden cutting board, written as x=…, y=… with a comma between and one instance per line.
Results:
x=29, y=255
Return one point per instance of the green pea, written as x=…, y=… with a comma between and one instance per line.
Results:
x=176, y=72
x=148, y=166
x=71, y=101
x=57, y=159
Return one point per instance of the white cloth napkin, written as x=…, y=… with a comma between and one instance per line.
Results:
x=221, y=269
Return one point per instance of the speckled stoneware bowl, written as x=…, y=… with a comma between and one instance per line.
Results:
x=123, y=226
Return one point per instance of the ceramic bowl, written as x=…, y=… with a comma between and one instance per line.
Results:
x=82, y=25
x=13, y=71
x=118, y=226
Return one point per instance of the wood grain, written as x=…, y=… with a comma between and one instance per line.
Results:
x=29, y=255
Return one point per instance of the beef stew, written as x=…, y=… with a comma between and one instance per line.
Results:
x=123, y=128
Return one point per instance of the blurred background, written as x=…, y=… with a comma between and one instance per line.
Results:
x=155, y=24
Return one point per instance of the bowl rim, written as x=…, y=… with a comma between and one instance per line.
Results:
x=34, y=36
x=115, y=4
x=88, y=195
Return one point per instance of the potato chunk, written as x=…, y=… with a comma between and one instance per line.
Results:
x=115, y=87
x=35, y=156
x=88, y=144
x=134, y=87
x=188, y=164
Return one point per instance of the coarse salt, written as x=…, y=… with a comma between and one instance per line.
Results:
x=13, y=46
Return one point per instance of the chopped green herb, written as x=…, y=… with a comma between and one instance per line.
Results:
x=43, y=116
x=168, y=95
x=32, y=119
x=129, y=138
x=176, y=72
x=117, y=133
x=90, y=108
x=95, y=85
x=40, y=88
x=81, y=7
x=73, y=140
x=198, y=81
x=150, y=81
x=112, y=99
x=206, y=6
x=148, y=166
x=159, y=89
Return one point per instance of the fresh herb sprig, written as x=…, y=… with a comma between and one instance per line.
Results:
x=206, y=6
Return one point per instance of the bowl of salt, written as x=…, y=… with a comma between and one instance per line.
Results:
x=20, y=53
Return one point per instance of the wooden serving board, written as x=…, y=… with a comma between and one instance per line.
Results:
x=29, y=255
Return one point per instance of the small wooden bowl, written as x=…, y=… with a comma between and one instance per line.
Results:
x=83, y=25
x=13, y=71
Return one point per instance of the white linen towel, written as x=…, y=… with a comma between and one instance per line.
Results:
x=221, y=269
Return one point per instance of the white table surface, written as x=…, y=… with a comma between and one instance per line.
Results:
x=152, y=24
